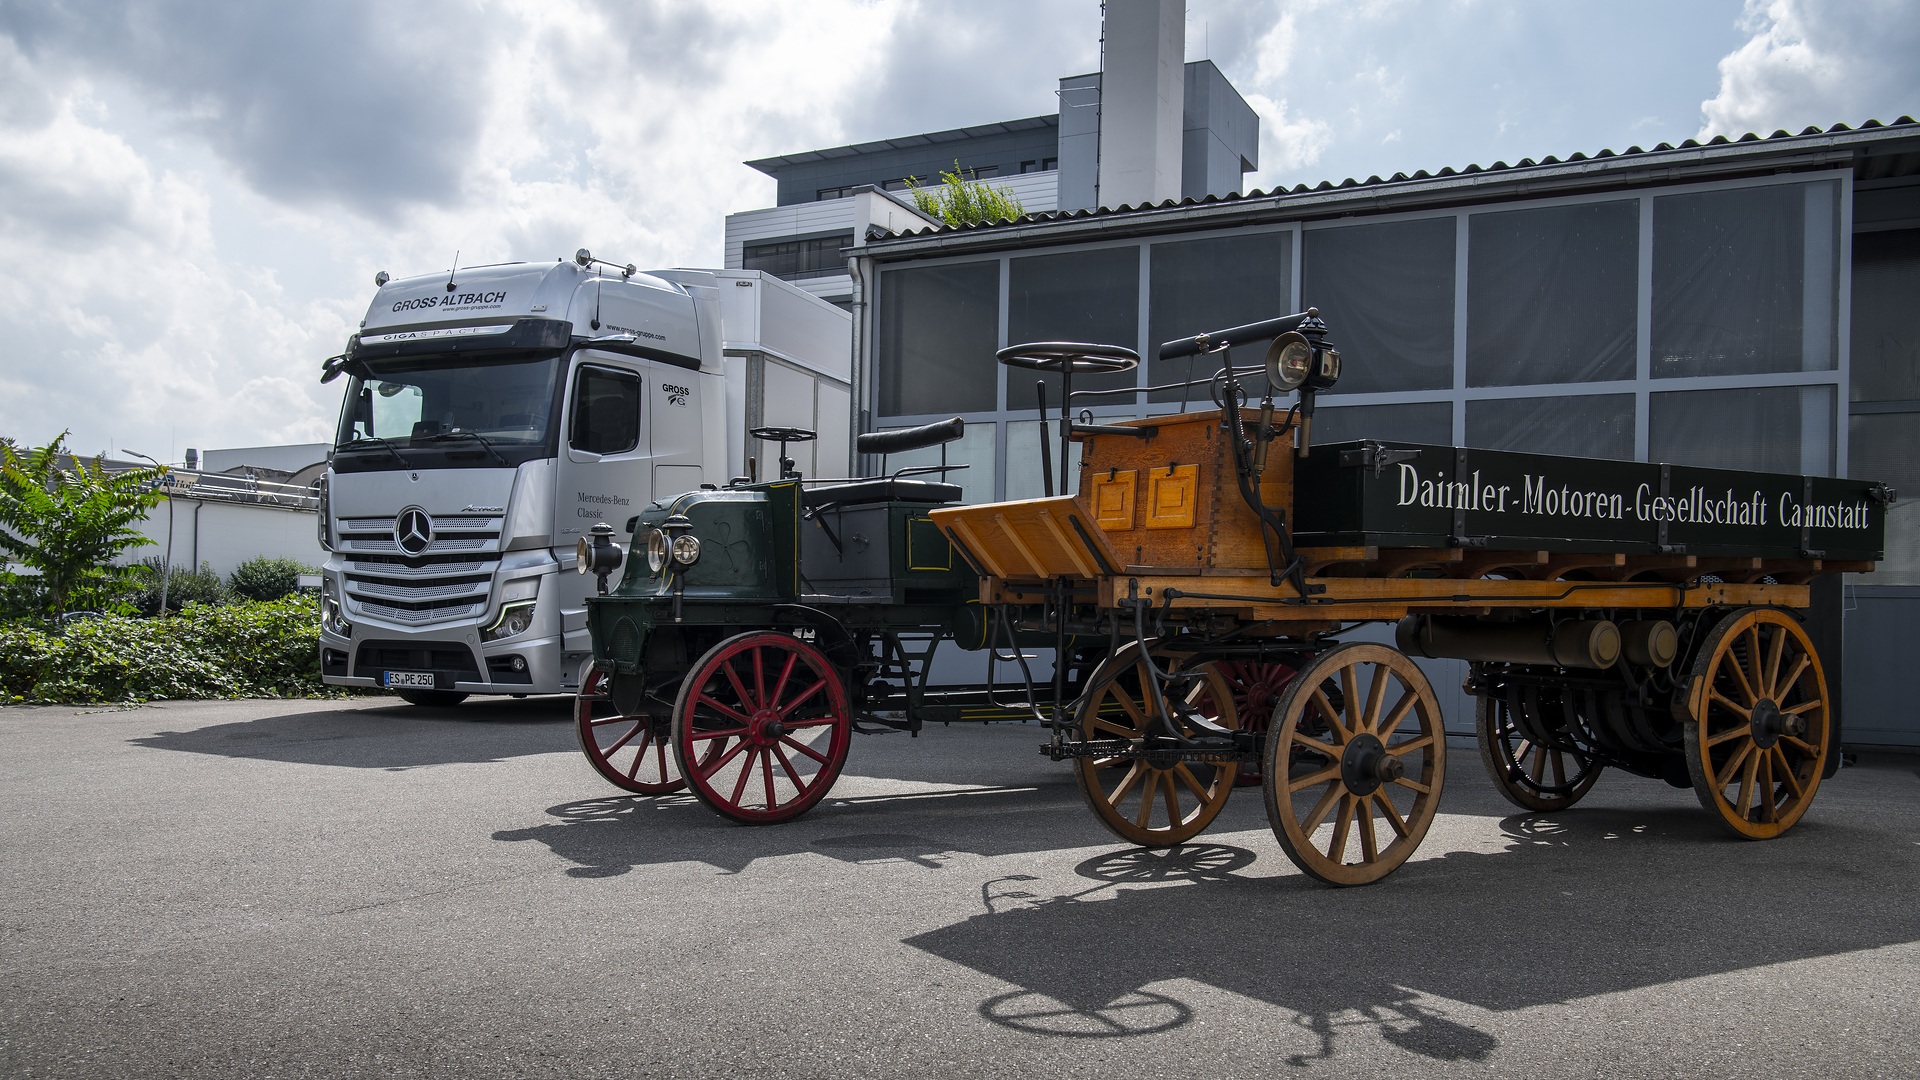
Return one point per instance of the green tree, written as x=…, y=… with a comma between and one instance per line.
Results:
x=66, y=525
x=960, y=201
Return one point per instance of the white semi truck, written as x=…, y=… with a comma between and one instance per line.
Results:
x=494, y=414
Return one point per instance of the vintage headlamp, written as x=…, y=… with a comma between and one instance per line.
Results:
x=682, y=545
x=598, y=555
x=656, y=542
x=1325, y=368
x=1290, y=361
x=686, y=549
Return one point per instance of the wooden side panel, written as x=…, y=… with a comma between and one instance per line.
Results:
x=1212, y=528
x=1171, y=497
x=1111, y=495
x=1030, y=539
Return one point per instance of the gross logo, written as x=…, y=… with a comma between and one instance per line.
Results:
x=412, y=530
x=676, y=395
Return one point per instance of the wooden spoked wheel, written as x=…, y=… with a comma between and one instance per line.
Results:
x=631, y=752
x=1355, y=763
x=761, y=727
x=1153, y=800
x=1757, y=724
x=1527, y=769
x=1256, y=690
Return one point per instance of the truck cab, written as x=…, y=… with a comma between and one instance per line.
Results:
x=491, y=417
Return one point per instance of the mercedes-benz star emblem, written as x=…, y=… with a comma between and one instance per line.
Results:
x=413, y=530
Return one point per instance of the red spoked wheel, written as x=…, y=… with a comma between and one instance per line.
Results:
x=1257, y=685
x=629, y=751
x=761, y=727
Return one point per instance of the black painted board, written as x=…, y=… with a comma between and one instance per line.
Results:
x=1392, y=494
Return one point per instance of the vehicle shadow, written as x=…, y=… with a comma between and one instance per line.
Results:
x=1577, y=905
x=610, y=836
x=381, y=736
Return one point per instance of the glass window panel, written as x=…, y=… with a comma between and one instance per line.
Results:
x=973, y=448
x=1023, y=460
x=1551, y=294
x=1886, y=315
x=1420, y=422
x=1594, y=425
x=1885, y=447
x=1768, y=428
x=1745, y=281
x=1091, y=296
x=606, y=411
x=1209, y=284
x=1386, y=292
x=938, y=328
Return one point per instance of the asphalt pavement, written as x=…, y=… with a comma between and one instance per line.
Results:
x=364, y=888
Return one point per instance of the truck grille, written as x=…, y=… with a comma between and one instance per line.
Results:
x=452, y=579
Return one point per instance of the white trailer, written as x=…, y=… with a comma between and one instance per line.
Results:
x=493, y=415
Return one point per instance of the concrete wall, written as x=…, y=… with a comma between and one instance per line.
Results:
x=226, y=534
x=1142, y=86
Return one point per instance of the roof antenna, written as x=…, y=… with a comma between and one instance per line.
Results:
x=455, y=270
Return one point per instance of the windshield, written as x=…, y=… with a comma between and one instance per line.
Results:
x=435, y=412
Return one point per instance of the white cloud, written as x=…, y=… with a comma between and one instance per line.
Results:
x=1288, y=143
x=1817, y=63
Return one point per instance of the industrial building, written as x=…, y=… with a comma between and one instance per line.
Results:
x=1742, y=303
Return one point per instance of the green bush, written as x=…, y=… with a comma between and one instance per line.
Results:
x=250, y=649
x=185, y=585
x=267, y=579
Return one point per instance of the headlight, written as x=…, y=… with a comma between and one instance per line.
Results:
x=514, y=619
x=656, y=550
x=332, y=619
x=1289, y=361
x=686, y=549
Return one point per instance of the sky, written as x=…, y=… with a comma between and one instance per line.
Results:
x=195, y=196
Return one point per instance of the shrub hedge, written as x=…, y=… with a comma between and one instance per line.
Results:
x=267, y=579
x=249, y=649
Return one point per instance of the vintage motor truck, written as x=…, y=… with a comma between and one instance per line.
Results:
x=494, y=414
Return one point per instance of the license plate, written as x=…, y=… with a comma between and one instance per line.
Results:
x=412, y=679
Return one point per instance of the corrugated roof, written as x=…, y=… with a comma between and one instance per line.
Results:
x=769, y=165
x=1423, y=186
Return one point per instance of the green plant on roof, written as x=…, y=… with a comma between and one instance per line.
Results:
x=959, y=200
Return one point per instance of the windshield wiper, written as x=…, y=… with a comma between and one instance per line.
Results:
x=365, y=442
x=476, y=437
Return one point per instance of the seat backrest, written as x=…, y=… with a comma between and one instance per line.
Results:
x=914, y=438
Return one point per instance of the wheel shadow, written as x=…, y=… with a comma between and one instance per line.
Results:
x=1577, y=905
x=607, y=837
x=383, y=736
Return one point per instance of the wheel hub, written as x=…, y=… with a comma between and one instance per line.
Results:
x=765, y=728
x=1365, y=765
x=1768, y=723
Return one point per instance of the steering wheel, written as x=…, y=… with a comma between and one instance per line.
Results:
x=782, y=434
x=1075, y=357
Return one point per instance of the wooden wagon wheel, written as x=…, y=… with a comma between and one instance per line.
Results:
x=631, y=752
x=1257, y=684
x=1357, y=756
x=1153, y=802
x=761, y=727
x=1526, y=770
x=1757, y=722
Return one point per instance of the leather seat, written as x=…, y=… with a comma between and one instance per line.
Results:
x=884, y=489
